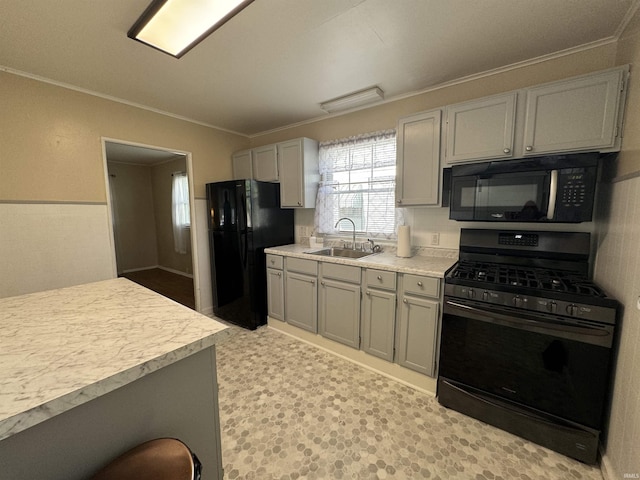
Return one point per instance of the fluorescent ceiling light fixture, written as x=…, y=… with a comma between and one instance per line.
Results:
x=357, y=99
x=176, y=26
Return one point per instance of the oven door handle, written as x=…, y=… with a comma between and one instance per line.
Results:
x=580, y=333
x=553, y=194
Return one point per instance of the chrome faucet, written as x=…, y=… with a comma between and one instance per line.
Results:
x=353, y=245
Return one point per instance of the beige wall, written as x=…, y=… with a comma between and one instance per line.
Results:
x=50, y=141
x=134, y=219
x=162, y=184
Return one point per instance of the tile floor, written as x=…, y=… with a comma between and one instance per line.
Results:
x=289, y=410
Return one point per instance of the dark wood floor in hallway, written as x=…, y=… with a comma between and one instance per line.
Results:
x=172, y=285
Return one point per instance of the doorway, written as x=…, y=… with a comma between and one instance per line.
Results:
x=150, y=203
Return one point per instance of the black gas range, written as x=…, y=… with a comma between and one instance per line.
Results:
x=527, y=337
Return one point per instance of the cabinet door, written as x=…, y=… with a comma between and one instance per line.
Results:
x=574, y=115
x=292, y=176
x=242, y=167
x=481, y=129
x=340, y=312
x=378, y=323
x=417, y=334
x=265, y=163
x=418, y=159
x=301, y=301
x=275, y=293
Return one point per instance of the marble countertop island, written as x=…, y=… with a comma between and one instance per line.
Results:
x=425, y=261
x=62, y=348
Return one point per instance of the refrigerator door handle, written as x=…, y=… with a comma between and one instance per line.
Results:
x=243, y=230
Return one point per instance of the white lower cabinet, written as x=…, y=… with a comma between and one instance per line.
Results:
x=379, y=313
x=301, y=293
x=418, y=321
x=339, y=303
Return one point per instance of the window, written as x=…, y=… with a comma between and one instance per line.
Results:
x=180, y=214
x=358, y=178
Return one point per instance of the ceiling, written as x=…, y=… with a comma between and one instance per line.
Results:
x=138, y=155
x=274, y=63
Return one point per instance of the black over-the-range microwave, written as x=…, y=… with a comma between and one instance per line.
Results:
x=555, y=188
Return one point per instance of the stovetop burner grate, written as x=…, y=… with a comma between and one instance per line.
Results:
x=516, y=276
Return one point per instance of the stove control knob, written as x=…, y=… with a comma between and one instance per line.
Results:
x=572, y=310
x=471, y=293
x=517, y=302
x=552, y=307
x=485, y=295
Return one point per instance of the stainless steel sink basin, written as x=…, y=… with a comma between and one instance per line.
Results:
x=340, y=252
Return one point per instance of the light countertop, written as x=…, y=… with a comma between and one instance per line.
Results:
x=62, y=348
x=432, y=262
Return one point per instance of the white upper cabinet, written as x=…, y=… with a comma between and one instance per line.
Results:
x=481, y=129
x=299, y=175
x=578, y=114
x=265, y=163
x=418, y=159
x=242, y=165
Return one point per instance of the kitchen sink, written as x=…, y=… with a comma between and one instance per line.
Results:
x=340, y=252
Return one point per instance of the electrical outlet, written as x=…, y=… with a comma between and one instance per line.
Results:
x=435, y=238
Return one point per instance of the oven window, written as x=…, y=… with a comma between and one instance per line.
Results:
x=562, y=377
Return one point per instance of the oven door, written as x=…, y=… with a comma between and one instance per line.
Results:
x=506, y=197
x=539, y=361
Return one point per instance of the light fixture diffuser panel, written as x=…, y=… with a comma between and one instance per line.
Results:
x=353, y=100
x=175, y=26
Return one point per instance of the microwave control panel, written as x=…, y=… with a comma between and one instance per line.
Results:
x=576, y=191
x=573, y=191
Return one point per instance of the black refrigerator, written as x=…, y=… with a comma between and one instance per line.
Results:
x=244, y=218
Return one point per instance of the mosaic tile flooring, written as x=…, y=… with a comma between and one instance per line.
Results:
x=289, y=410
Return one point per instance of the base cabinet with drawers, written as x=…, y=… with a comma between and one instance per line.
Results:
x=418, y=323
x=389, y=315
x=301, y=293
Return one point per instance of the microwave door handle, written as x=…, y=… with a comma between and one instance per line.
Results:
x=553, y=194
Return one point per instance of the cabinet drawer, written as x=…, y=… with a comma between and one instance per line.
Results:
x=310, y=267
x=345, y=273
x=380, y=279
x=419, y=285
x=274, y=261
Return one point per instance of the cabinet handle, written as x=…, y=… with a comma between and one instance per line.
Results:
x=279, y=274
x=368, y=292
x=322, y=283
x=419, y=284
x=313, y=282
x=507, y=150
x=379, y=277
x=399, y=202
x=404, y=300
x=299, y=204
x=528, y=148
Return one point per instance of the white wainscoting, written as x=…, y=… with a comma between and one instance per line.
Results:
x=53, y=245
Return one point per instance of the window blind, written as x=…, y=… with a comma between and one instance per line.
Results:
x=358, y=181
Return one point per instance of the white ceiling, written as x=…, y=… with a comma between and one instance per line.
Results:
x=138, y=155
x=274, y=63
